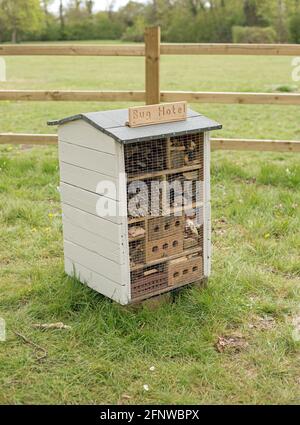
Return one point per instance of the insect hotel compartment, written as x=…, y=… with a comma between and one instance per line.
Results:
x=147, y=158
x=185, y=270
x=194, y=229
x=185, y=188
x=186, y=150
x=142, y=195
x=149, y=280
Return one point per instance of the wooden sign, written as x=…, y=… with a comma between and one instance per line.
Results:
x=157, y=114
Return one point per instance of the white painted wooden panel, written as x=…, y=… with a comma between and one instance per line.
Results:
x=92, y=242
x=87, y=201
x=206, y=166
x=207, y=207
x=88, y=180
x=97, y=282
x=92, y=223
x=90, y=159
x=207, y=239
x=94, y=262
x=83, y=134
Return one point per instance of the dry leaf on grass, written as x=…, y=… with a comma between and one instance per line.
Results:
x=252, y=180
x=231, y=343
x=263, y=323
x=125, y=396
x=58, y=325
x=219, y=226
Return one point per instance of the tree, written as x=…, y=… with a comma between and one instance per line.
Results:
x=62, y=19
x=276, y=14
x=294, y=27
x=127, y=14
x=89, y=4
x=21, y=16
x=45, y=5
x=251, y=13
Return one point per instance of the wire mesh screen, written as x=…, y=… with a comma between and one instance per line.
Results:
x=146, y=157
x=165, y=213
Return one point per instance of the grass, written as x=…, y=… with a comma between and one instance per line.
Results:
x=254, y=290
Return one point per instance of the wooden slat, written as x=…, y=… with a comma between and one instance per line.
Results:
x=232, y=98
x=165, y=172
x=217, y=143
x=139, y=96
x=72, y=50
x=152, y=65
x=89, y=240
x=28, y=139
x=171, y=257
x=92, y=223
x=97, y=281
x=230, y=49
x=256, y=145
x=93, y=261
x=72, y=95
x=97, y=161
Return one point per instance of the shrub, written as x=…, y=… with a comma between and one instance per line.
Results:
x=106, y=28
x=136, y=31
x=253, y=35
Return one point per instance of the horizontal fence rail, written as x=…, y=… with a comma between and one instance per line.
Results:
x=140, y=96
x=72, y=95
x=230, y=49
x=232, y=97
x=72, y=50
x=217, y=143
x=256, y=145
x=139, y=49
x=28, y=139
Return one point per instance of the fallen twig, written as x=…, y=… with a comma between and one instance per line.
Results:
x=33, y=344
x=58, y=325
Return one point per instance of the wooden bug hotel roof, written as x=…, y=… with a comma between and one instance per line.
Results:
x=113, y=123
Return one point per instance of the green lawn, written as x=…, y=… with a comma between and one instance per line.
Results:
x=252, y=296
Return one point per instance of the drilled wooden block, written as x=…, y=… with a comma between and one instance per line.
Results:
x=161, y=227
x=165, y=247
x=183, y=270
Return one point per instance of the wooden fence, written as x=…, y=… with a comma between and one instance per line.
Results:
x=152, y=50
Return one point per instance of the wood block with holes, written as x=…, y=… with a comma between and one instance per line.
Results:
x=161, y=227
x=165, y=247
x=183, y=271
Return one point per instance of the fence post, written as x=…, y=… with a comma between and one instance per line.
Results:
x=152, y=58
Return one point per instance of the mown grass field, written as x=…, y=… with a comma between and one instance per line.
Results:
x=253, y=295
